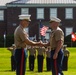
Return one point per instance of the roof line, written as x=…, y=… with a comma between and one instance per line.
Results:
x=3, y=7
x=40, y=5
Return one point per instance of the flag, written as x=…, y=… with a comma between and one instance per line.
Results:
x=73, y=37
x=43, y=30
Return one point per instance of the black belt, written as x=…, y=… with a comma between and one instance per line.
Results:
x=53, y=48
x=18, y=48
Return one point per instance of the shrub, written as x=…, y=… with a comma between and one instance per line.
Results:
x=69, y=42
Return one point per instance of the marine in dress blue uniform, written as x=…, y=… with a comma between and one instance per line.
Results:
x=48, y=59
x=32, y=56
x=65, y=59
x=13, y=62
x=40, y=58
x=21, y=39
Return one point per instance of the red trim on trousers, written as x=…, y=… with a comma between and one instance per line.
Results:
x=22, y=62
x=55, y=64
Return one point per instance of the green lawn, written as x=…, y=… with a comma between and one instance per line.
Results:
x=5, y=67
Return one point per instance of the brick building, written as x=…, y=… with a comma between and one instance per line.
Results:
x=40, y=10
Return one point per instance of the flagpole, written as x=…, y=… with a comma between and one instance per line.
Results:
x=5, y=42
x=4, y=39
x=41, y=37
x=39, y=29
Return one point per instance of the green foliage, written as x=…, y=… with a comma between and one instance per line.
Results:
x=5, y=64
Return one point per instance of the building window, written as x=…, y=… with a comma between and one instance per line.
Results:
x=48, y=34
x=40, y=13
x=1, y=15
x=69, y=13
x=68, y=31
x=24, y=11
x=53, y=12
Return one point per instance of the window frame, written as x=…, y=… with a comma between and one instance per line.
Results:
x=23, y=10
x=48, y=33
x=53, y=11
x=1, y=15
x=42, y=13
x=66, y=30
x=69, y=11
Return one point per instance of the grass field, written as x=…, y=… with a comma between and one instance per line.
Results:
x=5, y=66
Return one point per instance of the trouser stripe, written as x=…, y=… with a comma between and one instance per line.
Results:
x=55, y=64
x=22, y=62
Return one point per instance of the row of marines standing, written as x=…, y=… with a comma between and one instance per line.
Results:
x=32, y=53
x=40, y=53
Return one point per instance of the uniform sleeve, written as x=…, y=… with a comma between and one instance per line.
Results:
x=59, y=35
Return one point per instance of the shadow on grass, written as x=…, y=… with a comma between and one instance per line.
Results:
x=37, y=71
x=6, y=71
